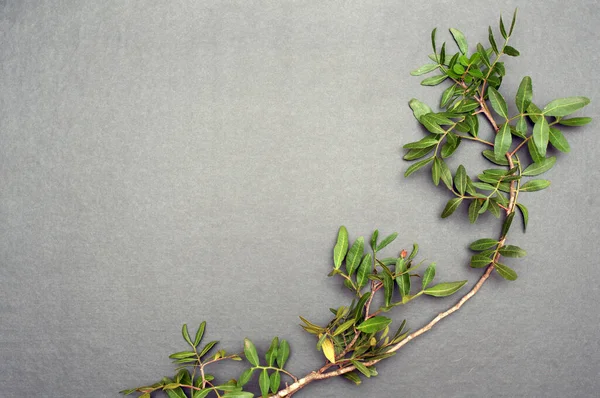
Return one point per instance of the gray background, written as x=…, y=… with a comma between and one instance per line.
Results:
x=180, y=161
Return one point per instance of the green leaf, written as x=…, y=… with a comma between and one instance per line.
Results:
x=363, y=271
x=444, y=289
x=447, y=95
x=264, y=382
x=374, y=240
x=525, y=214
x=414, y=252
x=275, y=382
x=428, y=275
x=498, y=102
x=425, y=142
x=343, y=327
x=403, y=280
x=460, y=179
x=419, y=108
x=575, y=121
x=374, y=324
x=341, y=247
x=535, y=169
x=512, y=23
x=271, y=353
x=534, y=152
x=176, y=393
x=505, y=272
x=199, y=333
x=200, y=393
x=238, y=394
x=480, y=261
x=283, y=353
x=430, y=122
x=451, y=206
x=433, y=40
x=388, y=286
x=361, y=368
x=503, y=29
x=565, y=106
x=250, y=352
x=483, y=244
x=511, y=51
x=353, y=377
x=424, y=69
x=489, y=155
x=521, y=127
x=416, y=166
x=534, y=185
x=354, y=255
x=186, y=335
x=492, y=40
x=460, y=40
x=507, y=223
x=245, y=377
x=207, y=348
x=418, y=153
x=434, y=80
x=541, y=135
x=512, y=251
x=182, y=354
x=436, y=171
x=474, y=210
x=451, y=145
x=388, y=239
x=483, y=55
x=524, y=94
x=503, y=140
x=558, y=140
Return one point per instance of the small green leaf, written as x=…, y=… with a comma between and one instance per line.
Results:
x=207, y=348
x=199, y=333
x=388, y=239
x=434, y=80
x=451, y=206
x=447, y=95
x=535, y=169
x=424, y=69
x=374, y=324
x=245, y=377
x=433, y=40
x=271, y=353
x=364, y=269
x=558, y=140
x=534, y=152
x=419, y=108
x=505, y=272
x=444, y=289
x=512, y=23
x=200, y=393
x=414, y=154
x=489, y=155
x=403, y=280
x=425, y=142
x=182, y=354
x=483, y=55
x=436, y=171
x=541, y=135
x=474, y=210
x=428, y=275
x=460, y=40
x=511, y=51
x=430, y=122
x=507, y=223
x=354, y=255
x=525, y=214
x=524, y=94
x=341, y=247
x=492, y=40
x=343, y=327
x=503, y=29
x=512, y=251
x=480, y=261
x=565, y=106
x=275, y=382
x=503, y=140
x=361, y=368
x=460, y=179
x=264, y=382
x=416, y=166
x=483, y=244
x=353, y=377
x=250, y=352
x=498, y=102
x=534, y=185
x=388, y=288
x=575, y=121
x=238, y=394
x=283, y=353
x=413, y=253
x=186, y=335
x=374, y=240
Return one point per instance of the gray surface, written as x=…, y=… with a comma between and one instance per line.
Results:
x=171, y=162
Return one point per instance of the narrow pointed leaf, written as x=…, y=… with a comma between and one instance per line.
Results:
x=507, y=223
x=460, y=179
x=451, y=206
x=355, y=255
x=250, y=352
x=474, y=210
x=565, y=106
x=505, y=272
x=428, y=275
x=364, y=269
x=283, y=353
x=498, y=102
x=341, y=247
x=199, y=333
x=434, y=80
x=275, y=382
x=524, y=94
x=535, y=169
x=416, y=166
x=492, y=40
x=388, y=239
x=575, y=121
x=374, y=239
x=558, y=140
x=374, y=324
x=444, y=289
x=264, y=382
x=388, y=288
x=534, y=185
x=483, y=244
x=245, y=377
x=425, y=142
x=503, y=141
x=480, y=261
x=541, y=135
x=511, y=51
x=186, y=335
x=512, y=251
x=460, y=40
x=525, y=214
x=343, y=327
x=361, y=368
x=424, y=69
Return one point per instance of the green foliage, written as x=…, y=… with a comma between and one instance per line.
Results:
x=358, y=335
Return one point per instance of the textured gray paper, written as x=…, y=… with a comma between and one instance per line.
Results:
x=166, y=162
